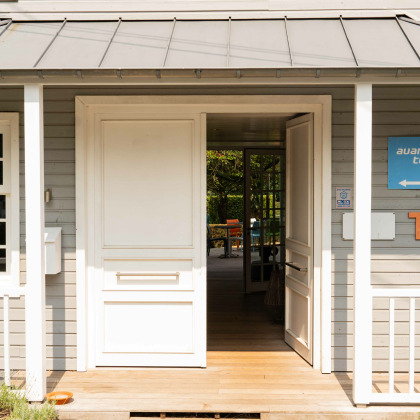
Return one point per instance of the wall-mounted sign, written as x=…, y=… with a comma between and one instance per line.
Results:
x=404, y=163
x=416, y=215
x=344, y=198
x=382, y=226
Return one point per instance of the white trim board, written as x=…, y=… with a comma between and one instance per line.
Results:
x=319, y=105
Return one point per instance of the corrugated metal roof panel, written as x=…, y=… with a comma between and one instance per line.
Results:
x=380, y=43
x=199, y=44
x=23, y=43
x=258, y=43
x=319, y=43
x=79, y=45
x=211, y=44
x=413, y=32
x=139, y=45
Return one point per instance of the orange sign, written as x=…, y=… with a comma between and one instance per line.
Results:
x=416, y=215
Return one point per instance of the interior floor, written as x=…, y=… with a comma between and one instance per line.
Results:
x=237, y=321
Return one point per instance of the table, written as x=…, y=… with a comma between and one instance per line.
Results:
x=228, y=237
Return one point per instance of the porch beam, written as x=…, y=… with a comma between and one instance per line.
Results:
x=362, y=356
x=35, y=258
x=118, y=78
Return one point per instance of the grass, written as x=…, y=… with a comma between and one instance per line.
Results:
x=15, y=407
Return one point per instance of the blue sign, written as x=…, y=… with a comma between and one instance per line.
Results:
x=404, y=163
x=343, y=198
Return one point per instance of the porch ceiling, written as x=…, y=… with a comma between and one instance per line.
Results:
x=333, y=43
x=239, y=130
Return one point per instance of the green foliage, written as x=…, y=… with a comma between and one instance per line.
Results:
x=20, y=409
x=225, y=180
x=235, y=208
x=224, y=172
x=8, y=399
x=25, y=411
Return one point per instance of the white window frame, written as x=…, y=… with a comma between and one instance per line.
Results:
x=9, y=127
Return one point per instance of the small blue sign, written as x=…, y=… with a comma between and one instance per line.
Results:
x=343, y=198
x=404, y=163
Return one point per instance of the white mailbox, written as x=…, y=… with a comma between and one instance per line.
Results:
x=52, y=250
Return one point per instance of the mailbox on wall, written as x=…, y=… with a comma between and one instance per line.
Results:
x=52, y=250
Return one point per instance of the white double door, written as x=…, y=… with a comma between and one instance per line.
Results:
x=149, y=212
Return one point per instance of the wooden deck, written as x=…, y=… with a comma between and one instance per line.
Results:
x=250, y=370
x=274, y=384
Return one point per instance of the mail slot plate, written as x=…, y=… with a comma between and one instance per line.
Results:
x=148, y=274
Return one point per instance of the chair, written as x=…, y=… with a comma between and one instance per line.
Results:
x=210, y=240
x=255, y=232
x=274, y=231
x=235, y=234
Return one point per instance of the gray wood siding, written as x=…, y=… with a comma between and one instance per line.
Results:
x=396, y=112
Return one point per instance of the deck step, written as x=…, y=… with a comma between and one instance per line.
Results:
x=94, y=415
x=136, y=417
x=311, y=416
x=121, y=415
x=342, y=416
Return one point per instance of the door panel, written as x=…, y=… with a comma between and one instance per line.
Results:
x=161, y=327
x=299, y=235
x=149, y=207
x=298, y=179
x=154, y=159
x=264, y=216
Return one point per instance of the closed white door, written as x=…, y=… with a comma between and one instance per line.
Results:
x=149, y=231
x=299, y=235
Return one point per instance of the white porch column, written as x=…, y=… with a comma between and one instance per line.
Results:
x=35, y=259
x=362, y=357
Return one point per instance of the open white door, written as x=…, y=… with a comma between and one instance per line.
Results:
x=299, y=235
x=149, y=276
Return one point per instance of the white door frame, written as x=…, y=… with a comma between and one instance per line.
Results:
x=319, y=105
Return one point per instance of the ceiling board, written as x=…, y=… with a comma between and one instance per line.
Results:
x=245, y=128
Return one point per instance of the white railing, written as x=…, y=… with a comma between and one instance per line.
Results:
x=412, y=396
x=6, y=294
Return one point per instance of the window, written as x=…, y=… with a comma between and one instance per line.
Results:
x=9, y=198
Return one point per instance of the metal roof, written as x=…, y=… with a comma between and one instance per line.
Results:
x=211, y=44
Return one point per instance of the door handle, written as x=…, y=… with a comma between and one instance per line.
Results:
x=297, y=267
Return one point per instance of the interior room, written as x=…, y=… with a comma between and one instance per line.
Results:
x=246, y=215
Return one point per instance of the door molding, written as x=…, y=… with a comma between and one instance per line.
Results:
x=319, y=105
